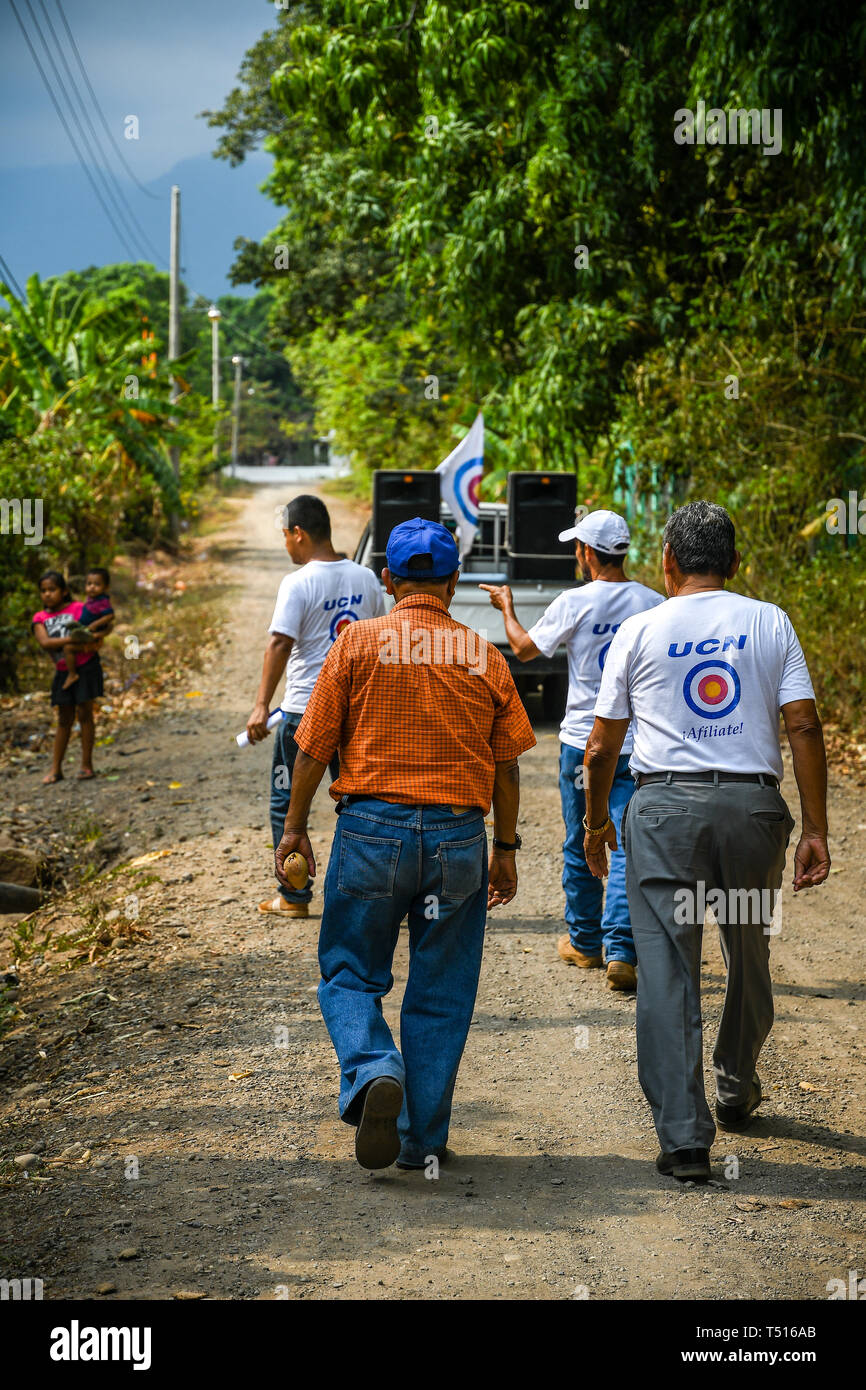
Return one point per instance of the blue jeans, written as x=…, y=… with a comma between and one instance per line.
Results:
x=588, y=927
x=282, y=763
x=386, y=861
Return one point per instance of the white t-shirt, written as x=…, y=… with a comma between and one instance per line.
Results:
x=586, y=620
x=313, y=606
x=702, y=679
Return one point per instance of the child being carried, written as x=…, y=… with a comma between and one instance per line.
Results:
x=97, y=620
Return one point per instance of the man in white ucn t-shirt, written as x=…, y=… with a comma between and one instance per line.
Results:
x=702, y=680
x=314, y=604
x=585, y=619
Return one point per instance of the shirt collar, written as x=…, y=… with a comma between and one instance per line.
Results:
x=421, y=601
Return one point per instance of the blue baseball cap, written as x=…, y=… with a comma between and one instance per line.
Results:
x=419, y=538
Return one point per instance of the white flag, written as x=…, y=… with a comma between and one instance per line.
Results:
x=461, y=479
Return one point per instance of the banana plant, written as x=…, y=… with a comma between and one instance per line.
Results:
x=88, y=362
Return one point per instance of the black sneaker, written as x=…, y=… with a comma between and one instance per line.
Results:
x=377, y=1142
x=688, y=1165
x=738, y=1117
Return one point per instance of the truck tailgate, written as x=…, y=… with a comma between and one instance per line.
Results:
x=472, y=607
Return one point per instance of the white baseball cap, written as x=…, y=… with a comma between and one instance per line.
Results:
x=604, y=531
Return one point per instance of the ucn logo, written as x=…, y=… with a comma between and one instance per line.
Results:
x=22, y=516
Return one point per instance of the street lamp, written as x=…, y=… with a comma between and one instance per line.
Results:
x=236, y=410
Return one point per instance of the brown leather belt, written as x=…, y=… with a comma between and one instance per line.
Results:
x=762, y=778
x=348, y=798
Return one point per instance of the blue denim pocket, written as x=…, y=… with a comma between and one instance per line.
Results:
x=462, y=866
x=368, y=865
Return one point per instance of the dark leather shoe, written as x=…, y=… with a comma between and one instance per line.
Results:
x=736, y=1118
x=688, y=1165
x=443, y=1155
x=377, y=1142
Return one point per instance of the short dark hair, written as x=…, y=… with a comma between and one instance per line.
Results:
x=310, y=514
x=103, y=574
x=607, y=557
x=56, y=578
x=701, y=536
x=420, y=564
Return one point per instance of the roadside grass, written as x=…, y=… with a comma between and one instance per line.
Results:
x=99, y=913
x=169, y=616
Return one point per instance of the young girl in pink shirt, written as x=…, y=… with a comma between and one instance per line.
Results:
x=50, y=628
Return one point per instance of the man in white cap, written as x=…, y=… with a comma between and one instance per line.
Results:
x=585, y=619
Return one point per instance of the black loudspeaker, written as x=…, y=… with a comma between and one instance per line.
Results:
x=540, y=505
x=398, y=496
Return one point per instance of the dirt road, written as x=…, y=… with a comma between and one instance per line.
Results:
x=179, y=1096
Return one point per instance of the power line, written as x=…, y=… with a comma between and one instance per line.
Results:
x=94, y=161
x=117, y=148
x=10, y=280
x=251, y=338
x=108, y=172
x=63, y=121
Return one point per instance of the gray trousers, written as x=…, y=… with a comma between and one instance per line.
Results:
x=685, y=841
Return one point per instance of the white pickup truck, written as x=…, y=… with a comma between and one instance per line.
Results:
x=490, y=562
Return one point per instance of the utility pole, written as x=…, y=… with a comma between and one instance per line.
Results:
x=174, y=286
x=236, y=410
x=174, y=321
x=214, y=315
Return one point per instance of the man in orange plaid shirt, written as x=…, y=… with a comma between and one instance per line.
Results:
x=429, y=727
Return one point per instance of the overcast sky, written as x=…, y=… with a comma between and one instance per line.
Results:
x=161, y=60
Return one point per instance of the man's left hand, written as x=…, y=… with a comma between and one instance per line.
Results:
x=294, y=840
x=595, y=848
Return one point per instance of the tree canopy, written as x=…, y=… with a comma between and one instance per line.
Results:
x=492, y=195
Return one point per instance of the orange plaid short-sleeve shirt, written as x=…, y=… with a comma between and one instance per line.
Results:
x=420, y=707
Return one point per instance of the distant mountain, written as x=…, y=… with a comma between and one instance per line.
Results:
x=50, y=220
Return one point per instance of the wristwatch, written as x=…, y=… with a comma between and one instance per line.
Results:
x=507, y=845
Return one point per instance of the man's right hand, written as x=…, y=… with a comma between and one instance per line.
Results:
x=294, y=841
x=811, y=861
x=257, y=724
x=500, y=596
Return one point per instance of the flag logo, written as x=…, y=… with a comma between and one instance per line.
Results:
x=712, y=689
x=461, y=480
x=467, y=481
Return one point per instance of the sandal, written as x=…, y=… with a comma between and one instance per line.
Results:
x=281, y=908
